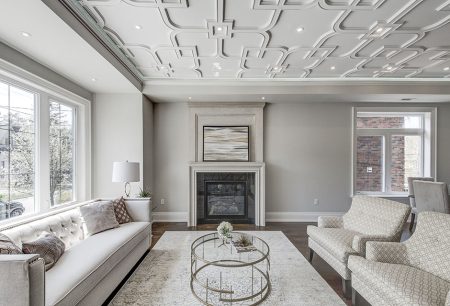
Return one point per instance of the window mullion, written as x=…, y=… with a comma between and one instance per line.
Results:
x=43, y=171
x=387, y=163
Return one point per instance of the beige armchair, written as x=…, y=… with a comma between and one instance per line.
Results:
x=369, y=219
x=414, y=272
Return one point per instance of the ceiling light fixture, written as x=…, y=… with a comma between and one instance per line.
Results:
x=93, y=79
x=446, y=68
x=263, y=98
x=138, y=27
x=219, y=29
x=300, y=29
x=25, y=34
x=379, y=30
x=389, y=68
x=332, y=67
x=189, y=98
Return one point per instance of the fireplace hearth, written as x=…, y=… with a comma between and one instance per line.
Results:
x=225, y=197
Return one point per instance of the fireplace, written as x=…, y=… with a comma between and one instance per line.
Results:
x=225, y=196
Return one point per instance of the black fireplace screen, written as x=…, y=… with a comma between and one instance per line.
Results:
x=226, y=199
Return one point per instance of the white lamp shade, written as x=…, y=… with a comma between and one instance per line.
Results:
x=124, y=172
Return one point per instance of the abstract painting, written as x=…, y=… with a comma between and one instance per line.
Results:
x=225, y=143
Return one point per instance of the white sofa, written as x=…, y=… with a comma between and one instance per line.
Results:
x=90, y=268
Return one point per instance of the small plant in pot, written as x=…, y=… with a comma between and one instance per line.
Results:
x=144, y=193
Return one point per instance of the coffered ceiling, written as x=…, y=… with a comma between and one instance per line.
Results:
x=281, y=39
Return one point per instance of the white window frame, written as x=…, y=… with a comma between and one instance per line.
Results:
x=428, y=133
x=46, y=92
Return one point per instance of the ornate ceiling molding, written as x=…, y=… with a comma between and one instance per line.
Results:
x=278, y=39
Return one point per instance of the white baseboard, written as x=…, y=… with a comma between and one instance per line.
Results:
x=176, y=216
x=281, y=216
x=273, y=216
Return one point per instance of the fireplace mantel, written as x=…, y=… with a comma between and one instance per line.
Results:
x=200, y=167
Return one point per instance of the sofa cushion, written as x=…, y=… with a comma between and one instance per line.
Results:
x=48, y=246
x=84, y=265
x=99, y=217
x=337, y=241
x=7, y=246
x=120, y=210
x=399, y=284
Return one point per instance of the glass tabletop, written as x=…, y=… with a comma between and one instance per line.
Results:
x=213, y=249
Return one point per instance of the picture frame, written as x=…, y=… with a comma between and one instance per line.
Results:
x=226, y=143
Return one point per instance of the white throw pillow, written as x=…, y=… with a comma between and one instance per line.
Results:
x=99, y=217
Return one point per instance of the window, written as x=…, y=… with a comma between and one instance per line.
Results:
x=43, y=163
x=17, y=151
x=388, y=148
x=61, y=140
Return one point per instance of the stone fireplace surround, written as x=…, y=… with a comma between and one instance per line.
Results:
x=227, y=114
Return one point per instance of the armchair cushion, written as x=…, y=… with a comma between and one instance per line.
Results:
x=337, y=241
x=399, y=284
x=388, y=252
x=359, y=242
x=330, y=222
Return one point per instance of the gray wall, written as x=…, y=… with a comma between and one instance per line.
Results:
x=147, y=121
x=117, y=135
x=307, y=150
x=171, y=152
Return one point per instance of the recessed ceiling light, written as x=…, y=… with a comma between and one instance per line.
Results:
x=263, y=98
x=389, y=68
x=332, y=67
x=189, y=98
x=93, y=79
x=379, y=30
x=446, y=68
x=300, y=29
x=219, y=29
x=25, y=34
x=138, y=27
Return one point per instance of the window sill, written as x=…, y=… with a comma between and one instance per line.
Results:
x=383, y=195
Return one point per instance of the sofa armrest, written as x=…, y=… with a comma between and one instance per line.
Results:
x=360, y=241
x=330, y=222
x=22, y=280
x=140, y=209
x=388, y=252
x=447, y=300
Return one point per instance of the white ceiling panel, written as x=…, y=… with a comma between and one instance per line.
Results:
x=282, y=39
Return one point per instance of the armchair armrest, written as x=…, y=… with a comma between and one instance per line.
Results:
x=388, y=252
x=330, y=222
x=359, y=242
x=22, y=280
x=140, y=209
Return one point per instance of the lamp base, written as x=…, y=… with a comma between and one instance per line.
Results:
x=127, y=189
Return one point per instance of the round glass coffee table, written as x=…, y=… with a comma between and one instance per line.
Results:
x=222, y=275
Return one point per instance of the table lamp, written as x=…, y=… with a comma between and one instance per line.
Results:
x=125, y=172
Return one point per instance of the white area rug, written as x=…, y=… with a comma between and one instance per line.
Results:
x=163, y=278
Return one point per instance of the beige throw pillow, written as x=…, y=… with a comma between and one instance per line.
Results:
x=7, y=246
x=99, y=217
x=48, y=246
x=120, y=210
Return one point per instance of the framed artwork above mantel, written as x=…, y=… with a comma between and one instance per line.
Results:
x=226, y=143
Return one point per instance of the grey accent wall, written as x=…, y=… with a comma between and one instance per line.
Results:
x=171, y=151
x=307, y=150
x=147, y=121
x=117, y=135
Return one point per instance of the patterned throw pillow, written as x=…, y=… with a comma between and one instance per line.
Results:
x=99, y=217
x=7, y=246
x=48, y=246
x=120, y=210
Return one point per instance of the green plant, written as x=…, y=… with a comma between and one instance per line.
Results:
x=143, y=193
x=244, y=241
